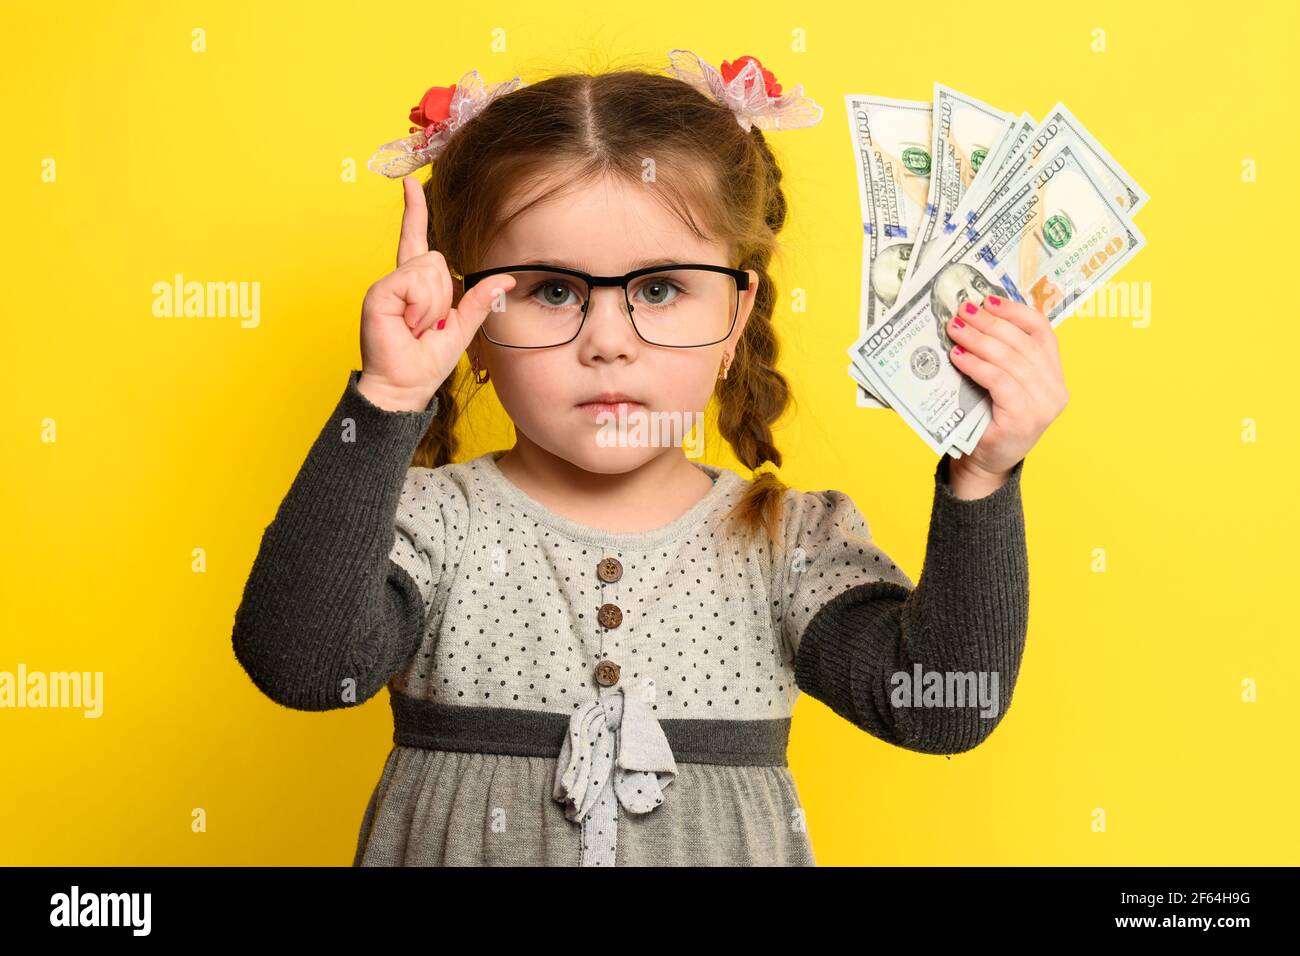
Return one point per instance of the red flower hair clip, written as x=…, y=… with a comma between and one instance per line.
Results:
x=748, y=90
x=730, y=69
x=434, y=108
x=441, y=112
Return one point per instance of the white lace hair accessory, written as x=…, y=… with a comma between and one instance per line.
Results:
x=743, y=85
x=749, y=90
x=461, y=102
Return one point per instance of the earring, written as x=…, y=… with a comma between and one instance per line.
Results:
x=726, y=361
x=485, y=375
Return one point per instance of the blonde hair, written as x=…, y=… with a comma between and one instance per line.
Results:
x=607, y=123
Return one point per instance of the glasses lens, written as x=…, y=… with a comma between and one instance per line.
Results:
x=680, y=307
x=540, y=309
x=683, y=306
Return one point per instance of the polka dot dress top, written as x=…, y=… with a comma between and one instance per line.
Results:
x=522, y=611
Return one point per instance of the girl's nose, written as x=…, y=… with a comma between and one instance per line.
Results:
x=607, y=330
x=607, y=308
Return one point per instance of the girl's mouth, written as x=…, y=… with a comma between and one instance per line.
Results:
x=613, y=408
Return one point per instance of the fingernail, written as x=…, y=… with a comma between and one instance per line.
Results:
x=958, y=322
x=957, y=349
x=994, y=300
x=970, y=308
x=441, y=323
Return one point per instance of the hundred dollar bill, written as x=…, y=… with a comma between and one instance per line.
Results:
x=992, y=168
x=1056, y=236
x=964, y=132
x=891, y=140
x=1011, y=144
x=866, y=398
x=992, y=164
x=1124, y=189
x=1058, y=127
x=1015, y=138
x=891, y=143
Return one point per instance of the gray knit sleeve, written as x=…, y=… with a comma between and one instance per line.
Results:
x=929, y=668
x=328, y=615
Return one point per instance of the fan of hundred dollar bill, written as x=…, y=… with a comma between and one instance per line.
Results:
x=960, y=200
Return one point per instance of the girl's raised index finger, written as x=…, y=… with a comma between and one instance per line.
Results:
x=414, y=240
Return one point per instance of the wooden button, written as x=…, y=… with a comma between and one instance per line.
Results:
x=610, y=570
x=609, y=615
x=607, y=673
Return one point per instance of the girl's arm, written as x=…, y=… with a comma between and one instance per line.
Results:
x=856, y=623
x=339, y=591
x=869, y=642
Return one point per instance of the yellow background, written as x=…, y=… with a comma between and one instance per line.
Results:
x=175, y=434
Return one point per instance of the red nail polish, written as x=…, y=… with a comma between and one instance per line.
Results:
x=994, y=300
x=970, y=308
x=958, y=322
x=958, y=349
x=441, y=323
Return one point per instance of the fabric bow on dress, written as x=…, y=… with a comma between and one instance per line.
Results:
x=616, y=735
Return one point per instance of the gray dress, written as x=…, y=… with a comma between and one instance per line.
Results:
x=566, y=695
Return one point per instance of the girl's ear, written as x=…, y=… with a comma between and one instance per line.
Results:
x=747, y=299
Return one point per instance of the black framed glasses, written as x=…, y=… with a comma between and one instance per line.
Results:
x=684, y=306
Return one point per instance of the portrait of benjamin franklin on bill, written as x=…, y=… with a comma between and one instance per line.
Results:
x=956, y=284
x=887, y=272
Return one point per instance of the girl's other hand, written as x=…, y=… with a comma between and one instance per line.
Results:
x=1010, y=348
x=411, y=337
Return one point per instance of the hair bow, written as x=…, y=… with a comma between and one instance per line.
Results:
x=441, y=111
x=749, y=90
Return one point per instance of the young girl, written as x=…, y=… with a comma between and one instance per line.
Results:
x=593, y=648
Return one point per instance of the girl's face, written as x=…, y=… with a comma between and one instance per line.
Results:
x=608, y=228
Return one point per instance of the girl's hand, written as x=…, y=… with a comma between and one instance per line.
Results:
x=1010, y=349
x=411, y=337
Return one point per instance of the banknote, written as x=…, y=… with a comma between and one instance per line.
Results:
x=891, y=144
x=1020, y=130
x=865, y=397
x=1058, y=127
x=964, y=132
x=1056, y=235
x=1011, y=144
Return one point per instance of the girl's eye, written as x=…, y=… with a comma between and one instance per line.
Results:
x=554, y=294
x=660, y=291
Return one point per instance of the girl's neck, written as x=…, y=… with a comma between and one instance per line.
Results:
x=648, y=497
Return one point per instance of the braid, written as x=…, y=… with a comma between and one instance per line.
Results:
x=438, y=445
x=774, y=213
x=754, y=394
